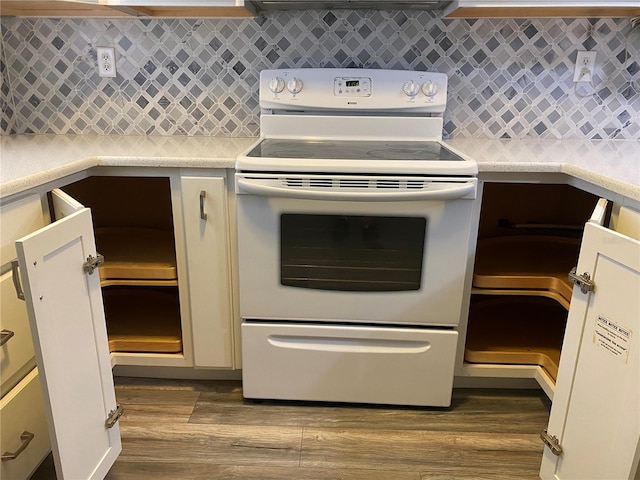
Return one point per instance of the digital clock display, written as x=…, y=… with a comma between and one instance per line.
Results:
x=352, y=83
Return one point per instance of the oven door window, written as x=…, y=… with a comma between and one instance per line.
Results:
x=351, y=253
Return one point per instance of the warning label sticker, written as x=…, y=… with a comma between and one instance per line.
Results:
x=612, y=337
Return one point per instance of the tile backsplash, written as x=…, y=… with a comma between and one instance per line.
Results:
x=507, y=78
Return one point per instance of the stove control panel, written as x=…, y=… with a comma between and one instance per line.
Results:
x=352, y=86
x=321, y=89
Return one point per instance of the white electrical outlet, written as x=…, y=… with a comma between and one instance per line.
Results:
x=106, y=61
x=585, y=67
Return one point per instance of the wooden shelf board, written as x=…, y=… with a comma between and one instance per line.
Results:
x=526, y=292
x=526, y=262
x=143, y=320
x=516, y=330
x=136, y=253
x=114, y=282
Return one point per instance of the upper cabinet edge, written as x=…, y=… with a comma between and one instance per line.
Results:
x=67, y=9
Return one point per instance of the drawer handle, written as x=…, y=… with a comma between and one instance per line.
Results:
x=26, y=438
x=16, y=279
x=203, y=214
x=5, y=335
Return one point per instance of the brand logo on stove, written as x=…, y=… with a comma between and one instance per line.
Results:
x=352, y=103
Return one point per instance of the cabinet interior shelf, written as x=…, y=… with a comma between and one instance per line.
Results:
x=532, y=293
x=138, y=256
x=526, y=262
x=144, y=321
x=519, y=330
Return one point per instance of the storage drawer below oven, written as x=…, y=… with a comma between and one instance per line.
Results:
x=362, y=364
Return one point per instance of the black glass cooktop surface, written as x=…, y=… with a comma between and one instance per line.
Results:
x=353, y=150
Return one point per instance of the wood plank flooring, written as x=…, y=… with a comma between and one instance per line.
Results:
x=203, y=430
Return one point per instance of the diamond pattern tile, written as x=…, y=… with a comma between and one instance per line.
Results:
x=507, y=78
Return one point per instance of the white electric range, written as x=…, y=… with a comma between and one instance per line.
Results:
x=354, y=223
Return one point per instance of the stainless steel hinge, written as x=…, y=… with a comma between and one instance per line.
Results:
x=92, y=263
x=114, y=416
x=583, y=281
x=552, y=442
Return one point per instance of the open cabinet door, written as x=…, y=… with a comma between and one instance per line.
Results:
x=67, y=321
x=595, y=415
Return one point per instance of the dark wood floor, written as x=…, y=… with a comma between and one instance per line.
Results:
x=175, y=429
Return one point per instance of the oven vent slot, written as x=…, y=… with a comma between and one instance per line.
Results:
x=387, y=183
x=293, y=182
x=354, y=183
x=415, y=184
x=321, y=182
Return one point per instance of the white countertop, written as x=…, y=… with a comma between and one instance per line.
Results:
x=611, y=164
x=28, y=161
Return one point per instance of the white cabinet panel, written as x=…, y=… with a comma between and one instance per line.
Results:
x=16, y=354
x=67, y=322
x=19, y=218
x=596, y=407
x=24, y=429
x=207, y=235
x=63, y=204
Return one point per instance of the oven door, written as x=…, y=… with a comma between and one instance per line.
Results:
x=384, y=250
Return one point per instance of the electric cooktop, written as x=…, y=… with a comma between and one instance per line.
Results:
x=353, y=150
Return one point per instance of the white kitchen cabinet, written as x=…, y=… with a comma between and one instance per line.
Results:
x=133, y=220
x=206, y=224
x=166, y=279
x=78, y=336
x=528, y=241
x=24, y=438
x=542, y=8
x=144, y=224
x=66, y=317
x=594, y=386
x=595, y=417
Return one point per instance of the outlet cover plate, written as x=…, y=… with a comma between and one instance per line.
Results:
x=584, y=60
x=106, y=61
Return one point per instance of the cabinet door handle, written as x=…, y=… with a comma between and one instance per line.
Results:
x=25, y=438
x=5, y=335
x=16, y=279
x=203, y=195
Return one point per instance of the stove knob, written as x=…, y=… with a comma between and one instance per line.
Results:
x=411, y=89
x=294, y=85
x=429, y=89
x=276, y=85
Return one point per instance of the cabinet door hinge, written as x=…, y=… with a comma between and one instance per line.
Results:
x=583, y=281
x=92, y=263
x=114, y=416
x=552, y=442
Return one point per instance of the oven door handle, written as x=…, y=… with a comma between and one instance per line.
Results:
x=438, y=191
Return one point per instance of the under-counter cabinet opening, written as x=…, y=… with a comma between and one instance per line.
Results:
x=528, y=241
x=134, y=231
